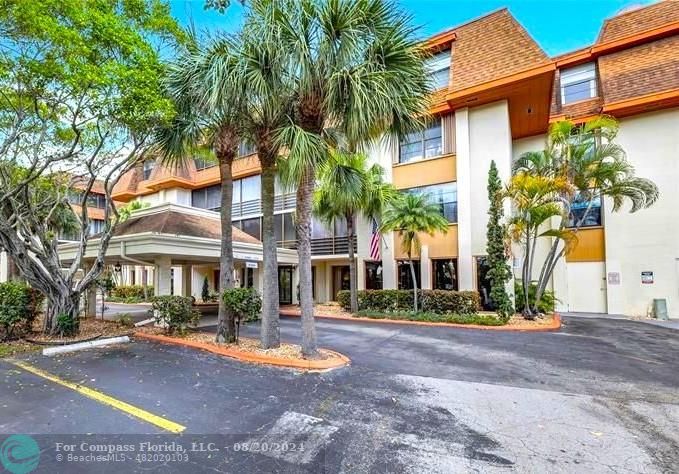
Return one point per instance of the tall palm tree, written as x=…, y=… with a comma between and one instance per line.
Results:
x=356, y=72
x=349, y=187
x=410, y=216
x=593, y=166
x=268, y=101
x=209, y=102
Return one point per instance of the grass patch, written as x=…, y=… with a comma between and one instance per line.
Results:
x=8, y=349
x=480, y=319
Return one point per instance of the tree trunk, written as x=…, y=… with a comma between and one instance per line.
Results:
x=66, y=304
x=525, y=282
x=144, y=284
x=353, y=290
x=304, y=202
x=412, y=275
x=226, y=326
x=270, y=329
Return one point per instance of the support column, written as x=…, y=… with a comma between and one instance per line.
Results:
x=163, y=267
x=4, y=267
x=465, y=260
x=425, y=268
x=90, y=296
x=187, y=289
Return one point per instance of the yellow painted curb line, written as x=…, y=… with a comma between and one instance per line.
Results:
x=143, y=415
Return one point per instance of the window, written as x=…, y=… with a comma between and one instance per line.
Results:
x=252, y=227
x=96, y=226
x=247, y=277
x=319, y=230
x=373, y=275
x=405, y=279
x=203, y=163
x=289, y=230
x=578, y=83
x=438, y=67
x=245, y=149
x=251, y=188
x=207, y=198
x=96, y=200
x=445, y=195
x=420, y=145
x=148, y=168
x=445, y=274
x=578, y=210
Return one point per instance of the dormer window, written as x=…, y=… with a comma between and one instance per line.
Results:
x=578, y=83
x=438, y=67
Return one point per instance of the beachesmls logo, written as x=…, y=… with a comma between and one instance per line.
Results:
x=20, y=454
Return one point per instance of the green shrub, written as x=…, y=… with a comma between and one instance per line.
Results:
x=434, y=301
x=19, y=306
x=67, y=325
x=245, y=303
x=205, y=292
x=480, y=319
x=176, y=313
x=130, y=293
x=547, y=302
x=126, y=320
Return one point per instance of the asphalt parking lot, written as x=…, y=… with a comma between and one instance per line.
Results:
x=599, y=395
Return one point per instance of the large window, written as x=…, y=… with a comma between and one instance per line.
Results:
x=445, y=273
x=444, y=195
x=96, y=200
x=438, y=67
x=578, y=83
x=207, y=198
x=244, y=190
x=405, y=279
x=373, y=275
x=580, y=215
x=147, y=168
x=420, y=145
x=251, y=227
x=97, y=226
x=203, y=163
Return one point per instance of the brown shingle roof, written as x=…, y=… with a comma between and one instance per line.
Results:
x=642, y=70
x=640, y=20
x=179, y=223
x=492, y=47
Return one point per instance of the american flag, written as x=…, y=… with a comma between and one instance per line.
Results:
x=374, y=242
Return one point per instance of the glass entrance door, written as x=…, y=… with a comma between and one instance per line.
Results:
x=285, y=285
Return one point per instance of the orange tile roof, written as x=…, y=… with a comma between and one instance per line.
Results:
x=646, y=69
x=639, y=20
x=491, y=47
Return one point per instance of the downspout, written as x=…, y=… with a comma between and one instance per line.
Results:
x=124, y=256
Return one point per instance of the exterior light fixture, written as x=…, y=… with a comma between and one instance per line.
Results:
x=118, y=267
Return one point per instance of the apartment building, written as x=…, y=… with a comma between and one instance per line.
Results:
x=497, y=94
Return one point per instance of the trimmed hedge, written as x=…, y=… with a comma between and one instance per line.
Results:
x=131, y=292
x=479, y=319
x=432, y=301
x=19, y=306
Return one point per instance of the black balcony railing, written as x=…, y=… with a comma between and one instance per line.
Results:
x=329, y=246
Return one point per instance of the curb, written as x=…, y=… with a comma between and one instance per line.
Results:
x=252, y=358
x=554, y=326
x=50, y=351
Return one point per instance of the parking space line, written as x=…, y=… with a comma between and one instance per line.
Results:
x=143, y=415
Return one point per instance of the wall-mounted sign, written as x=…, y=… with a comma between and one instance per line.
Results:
x=250, y=264
x=647, y=278
x=613, y=278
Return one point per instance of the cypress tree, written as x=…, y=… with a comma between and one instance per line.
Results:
x=499, y=272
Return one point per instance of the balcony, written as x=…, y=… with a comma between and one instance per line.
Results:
x=329, y=246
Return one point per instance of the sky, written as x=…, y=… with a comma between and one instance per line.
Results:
x=559, y=26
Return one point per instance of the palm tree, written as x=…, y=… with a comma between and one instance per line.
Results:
x=208, y=99
x=410, y=216
x=356, y=72
x=349, y=187
x=268, y=101
x=591, y=166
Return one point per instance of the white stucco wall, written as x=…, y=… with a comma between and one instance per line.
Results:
x=649, y=239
